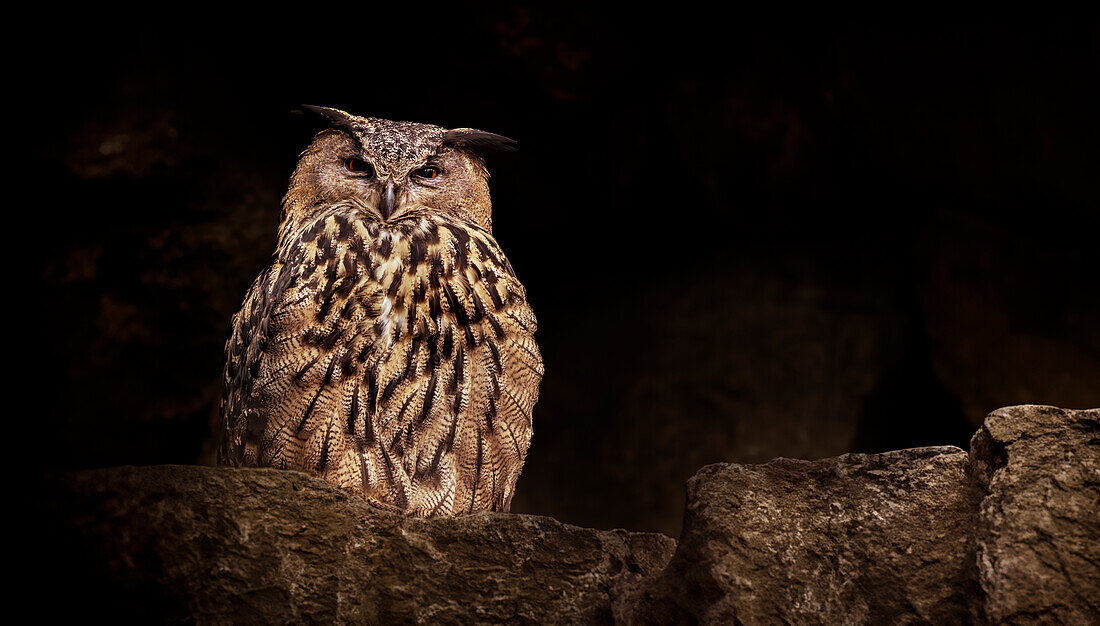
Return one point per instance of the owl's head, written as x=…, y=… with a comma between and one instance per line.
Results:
x=393, y=171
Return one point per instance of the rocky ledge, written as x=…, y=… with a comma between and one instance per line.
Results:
x=1009, y=533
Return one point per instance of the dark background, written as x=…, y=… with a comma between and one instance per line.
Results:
x=743, y=238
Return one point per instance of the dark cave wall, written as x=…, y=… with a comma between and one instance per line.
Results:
x=742, y=241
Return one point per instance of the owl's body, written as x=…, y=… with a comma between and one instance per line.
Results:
x=389, y=347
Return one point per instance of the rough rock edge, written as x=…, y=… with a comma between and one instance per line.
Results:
x=1021, y=570
x=1038, y=532
x=697, y=586
x=1017, y=450
x=219, y=544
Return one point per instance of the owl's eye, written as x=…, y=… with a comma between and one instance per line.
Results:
x=428, y=171
x=359, y=166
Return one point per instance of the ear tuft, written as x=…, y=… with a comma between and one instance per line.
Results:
x=479, y=140
x=335, y=116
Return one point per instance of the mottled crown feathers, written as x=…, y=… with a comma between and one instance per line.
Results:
x=467, y=138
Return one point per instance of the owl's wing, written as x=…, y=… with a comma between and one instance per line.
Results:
x=244, y=352
x=402, y=367
x=289, y=360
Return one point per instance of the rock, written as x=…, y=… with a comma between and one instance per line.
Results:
x=1009, y=533
x=879, y=538
x=227, y=545
x=1038, y=533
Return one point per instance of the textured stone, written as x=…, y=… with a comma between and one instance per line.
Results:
x=1038, y=533
x=1007, y=534
x=879, y=538
x=225, y=545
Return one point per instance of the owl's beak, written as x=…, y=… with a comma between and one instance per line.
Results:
x=388, y=201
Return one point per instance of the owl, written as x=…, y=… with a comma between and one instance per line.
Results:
x=388, y=348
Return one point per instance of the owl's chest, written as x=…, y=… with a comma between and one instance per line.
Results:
x=361, y=281
x=390, y=291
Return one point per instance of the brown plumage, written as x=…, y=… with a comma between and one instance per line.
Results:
x=388, y=347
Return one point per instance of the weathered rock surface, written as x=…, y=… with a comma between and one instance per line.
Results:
x=1038, y=532
x=879, y=538
x=225, y=545
x=1009, y=533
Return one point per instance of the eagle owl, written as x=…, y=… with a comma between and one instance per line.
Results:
x=388, y=347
